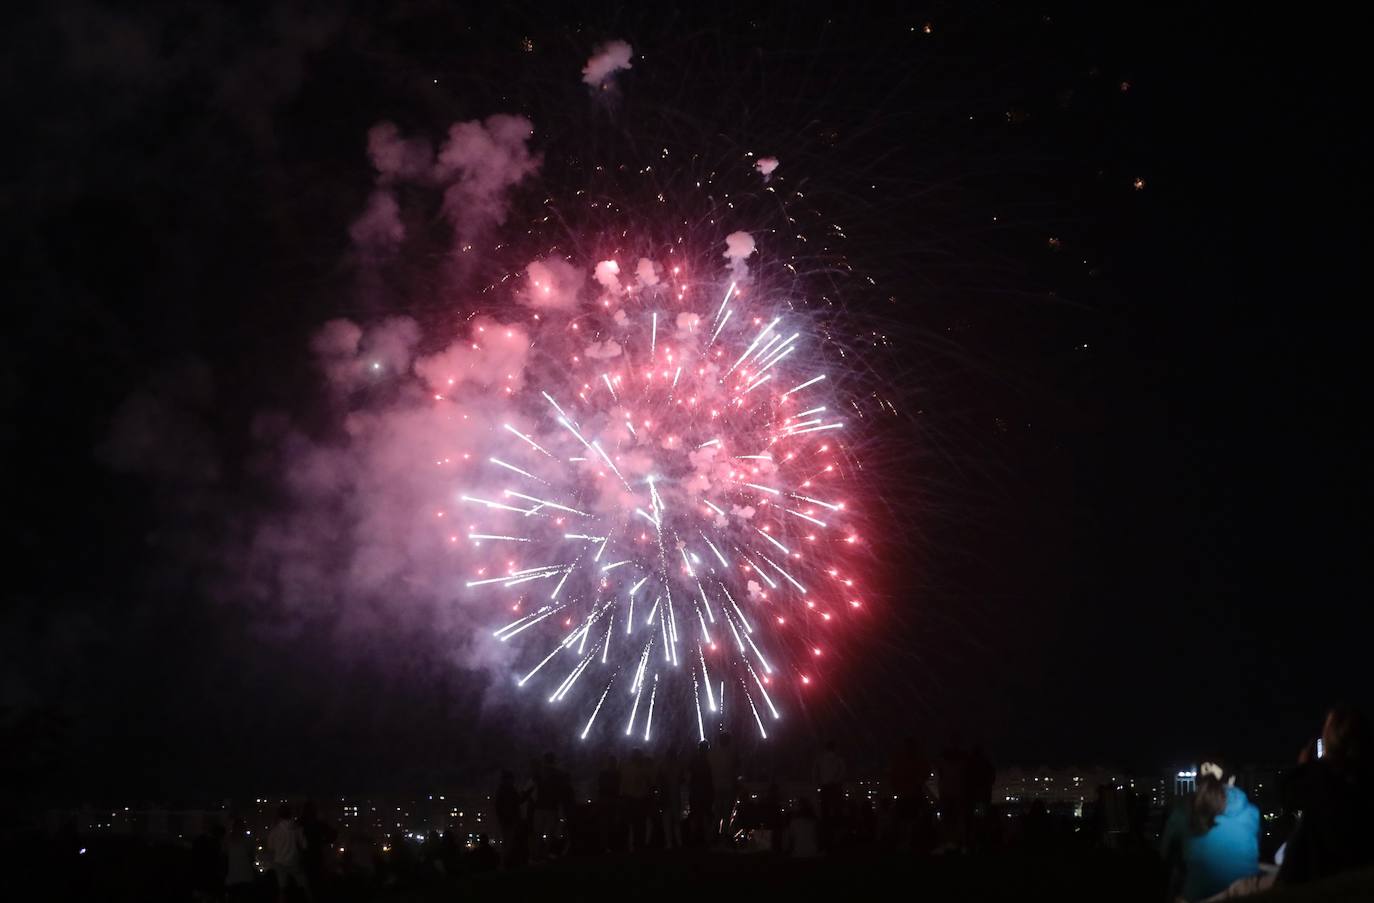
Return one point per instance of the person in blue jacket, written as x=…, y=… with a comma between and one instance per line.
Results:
x=1215, y=835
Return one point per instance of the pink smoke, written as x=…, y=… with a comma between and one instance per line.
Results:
x=609, y=58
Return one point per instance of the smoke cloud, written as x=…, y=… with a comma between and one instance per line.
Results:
x=474, y=171
x=738, y=247
x=648, y=273
x=603, y=350
x=609, y=59
x=608, y=275
x=379, y=230
x=551, y=284
x=479, y=163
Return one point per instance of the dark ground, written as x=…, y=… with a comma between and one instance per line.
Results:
x=143, y=873
x=1098, y=875
x=1064, y=876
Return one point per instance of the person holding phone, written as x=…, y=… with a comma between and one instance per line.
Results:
x=1332, y=789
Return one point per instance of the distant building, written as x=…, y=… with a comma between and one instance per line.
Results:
x=1262, y=785
x=1058, y=787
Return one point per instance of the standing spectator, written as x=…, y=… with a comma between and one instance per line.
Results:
x=636, y=781
x=670, y=797
x=548, y=802
x=484, y=857
x=910, y=774
x=700, y=795
x=1113, y=815
x=241, y=868
x=799, y=839
x=828, y=774
x=1335, y=794
x=607, y=802
x=980, y=775
x=509, y=822
x=952, y=781
x=207, y=863
x=1213, y=834
x=771, y=816
x=319, y=837
x=286, y=843
x=724, y=773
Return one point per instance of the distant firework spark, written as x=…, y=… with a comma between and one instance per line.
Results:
x=667, y=518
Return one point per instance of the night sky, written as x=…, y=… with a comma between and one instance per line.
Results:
x=1121, y=247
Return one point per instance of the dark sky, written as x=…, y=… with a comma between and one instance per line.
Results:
x=1136, y=426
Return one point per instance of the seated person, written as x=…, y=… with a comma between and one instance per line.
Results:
x=1216, y=833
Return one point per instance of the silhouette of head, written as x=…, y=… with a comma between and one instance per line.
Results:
x=284, y=810
x=1345, y=734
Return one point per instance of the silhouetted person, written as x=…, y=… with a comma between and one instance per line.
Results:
x=669, y=783
x=980, y=775
x=241, y=868
x=207, y=863
x=607, y=801
x=700, y=795
x=450, y=856
x=432, y=853
x=1215, y=832
x=771, y=815
x=910, y=774
x=1113, y=816
x=828, y=774
x=1036, y=830
x=508, y=820
x=549, y=793
x=286, y=843
x=952, y=780
x=801, y=836
x=484, y=857
x=319, y=838
x=1335, y=831
x=362, y=856
x=724, y=771
x=636, y=781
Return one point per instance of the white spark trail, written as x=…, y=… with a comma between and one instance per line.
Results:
x=649, y=719
x=724, y=301
x=524, y=473
x=750, y=350
x=719, y=327
x=535, y=445
x=545, y=502
x=812, y=381
x=596, y=711
x=706, y=679
x=765, y=534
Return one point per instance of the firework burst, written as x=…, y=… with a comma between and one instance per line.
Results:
x=667, y=520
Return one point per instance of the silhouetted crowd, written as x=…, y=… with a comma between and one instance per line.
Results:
x=638, y=803
x=1211, y=843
